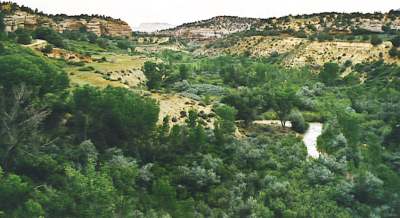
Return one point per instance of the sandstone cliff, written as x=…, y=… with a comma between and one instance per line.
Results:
x=17, y=18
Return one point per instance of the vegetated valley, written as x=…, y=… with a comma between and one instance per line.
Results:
x=229, y=117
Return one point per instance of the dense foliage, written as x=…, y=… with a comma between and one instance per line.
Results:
x=83, y=151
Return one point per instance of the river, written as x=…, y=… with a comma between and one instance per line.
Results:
x=309, y=138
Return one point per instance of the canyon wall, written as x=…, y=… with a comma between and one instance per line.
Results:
x=108, y=27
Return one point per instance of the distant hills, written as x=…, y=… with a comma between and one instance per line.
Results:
x=301, y=25
x=153, y=27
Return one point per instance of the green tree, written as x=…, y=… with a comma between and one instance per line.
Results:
x=376, y=40
x=2, y=48
x=23, y=36
x=37, y=74
x=92, y=37
x=396, y=41
x=225, y=125
x=92, y=192
x=283, y=101
x=113, y=116
x=393, y=52
x=330, y=73
x=47, y=49
x=19, y=125
x=183, y=72
x=246, y=102
x=13, y=192
x=154, y=74
x=2, y=25
x=298, y=122
x=48, y=34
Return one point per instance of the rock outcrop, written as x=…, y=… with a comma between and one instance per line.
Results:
x=99, y=26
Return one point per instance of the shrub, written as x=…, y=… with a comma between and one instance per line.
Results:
x=49, y=35
x=2, y=48
x=330, y=73
x=103, y=43
x=23, y=37
x=47, y=49
x=298, y=123
x=376, y=40
x=87, y=68
x=78, y=64
x=396, y=41
x=123, y=44
x=393, y=52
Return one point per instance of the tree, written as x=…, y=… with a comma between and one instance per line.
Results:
x=283, y=101
x=393, y=52
x=92, y=37
x=23, y=36
x=113, y=117
x=298, y=122
x=14, y=191
x=246, y=102
x=153, y=74
x=396, y=41
x=123, y=44
x=48, y=34
x=376, y=40
x=47, y=49
x=330, y=73
x=19, y=124
x=225, y=125
x=2, y=25
x=2, y=48
x=37, y=74
x=226, y=118
x=183, y=72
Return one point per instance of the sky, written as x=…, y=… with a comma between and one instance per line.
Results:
x=182, y=11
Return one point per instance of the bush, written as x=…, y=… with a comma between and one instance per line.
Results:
x=78, y=64
x=23, y=37
x=49, y=35
x=298, y=123
x=103, y=43
x=396, y=41
x=47, y=49
x=123, y=44
x=88, y=68
x=376, y=40
x=393, y=52
x=330, y=73
x=2, y=48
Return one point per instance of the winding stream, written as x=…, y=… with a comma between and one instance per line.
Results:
x=309, y=139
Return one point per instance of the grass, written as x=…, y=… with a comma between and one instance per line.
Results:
x=115, y=62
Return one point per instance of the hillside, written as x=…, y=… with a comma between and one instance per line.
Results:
x=22, y=17
x=213, y=28
x=298, y=52
x=335, y=23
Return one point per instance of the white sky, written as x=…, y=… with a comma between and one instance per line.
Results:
x=181, y=11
